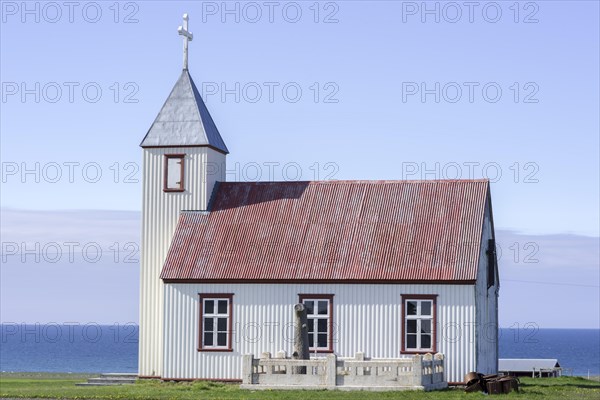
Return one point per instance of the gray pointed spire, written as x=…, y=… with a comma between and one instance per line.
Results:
x=184, y=120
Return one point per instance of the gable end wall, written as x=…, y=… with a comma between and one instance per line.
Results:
x=486, y=301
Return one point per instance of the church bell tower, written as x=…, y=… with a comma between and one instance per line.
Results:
x=183, y=158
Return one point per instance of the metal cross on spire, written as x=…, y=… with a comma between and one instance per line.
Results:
x=187, y=36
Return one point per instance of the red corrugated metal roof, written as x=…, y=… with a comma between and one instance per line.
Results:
x=347, y=231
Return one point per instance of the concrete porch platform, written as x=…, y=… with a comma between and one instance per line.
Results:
x=110, y=379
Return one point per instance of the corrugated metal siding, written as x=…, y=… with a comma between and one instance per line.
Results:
x=367, y=318
x=486, y=301
x=333, y=231
x=160, y=212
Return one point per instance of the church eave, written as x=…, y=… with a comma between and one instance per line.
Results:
x=185, y=146
x=328, y=281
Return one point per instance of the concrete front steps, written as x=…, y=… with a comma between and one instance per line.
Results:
x=110, y=380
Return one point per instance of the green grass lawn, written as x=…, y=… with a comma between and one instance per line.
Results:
x=63, y=386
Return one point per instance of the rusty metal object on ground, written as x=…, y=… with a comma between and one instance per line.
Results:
x=493, y=387
x=474, y=387
x=491, y=384
x=471, y=377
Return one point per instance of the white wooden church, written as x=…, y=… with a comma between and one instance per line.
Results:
x=387, y=268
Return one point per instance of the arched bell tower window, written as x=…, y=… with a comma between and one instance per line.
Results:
x=174, y=167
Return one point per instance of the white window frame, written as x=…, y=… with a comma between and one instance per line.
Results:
x=419, y=317
x=316, y=317
x=215, y=316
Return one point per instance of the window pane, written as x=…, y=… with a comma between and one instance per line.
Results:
x=426, y=308
x=323, y=307
x=221, y=339
x=221, y=324
x=311, y=340
x=411, y=308
x=209, y=306
x=310, y=307
x=411, y=341
x=411, y=326
x=222, y=306
x=425, y=326
x=311, y=325
x=208, y=338
x=425, y=341
x=208, y=324
x=322, y=339
x=322, y=325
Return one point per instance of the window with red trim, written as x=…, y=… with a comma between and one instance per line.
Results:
x=215, y=322
x=419, y=323
x=319, y=312
x=174, y=167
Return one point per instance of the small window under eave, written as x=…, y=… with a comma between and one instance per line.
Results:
x=174, y=173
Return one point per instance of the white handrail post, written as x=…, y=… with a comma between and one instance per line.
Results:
x=417, y=367
x=330, y=370
x=281, y=354
x=442, y=366
x=359, y=356
x=269, y=368
x=247, y=369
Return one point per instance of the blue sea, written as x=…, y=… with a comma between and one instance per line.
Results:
x=114, y=348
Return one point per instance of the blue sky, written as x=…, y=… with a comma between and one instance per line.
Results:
x=360, y=90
